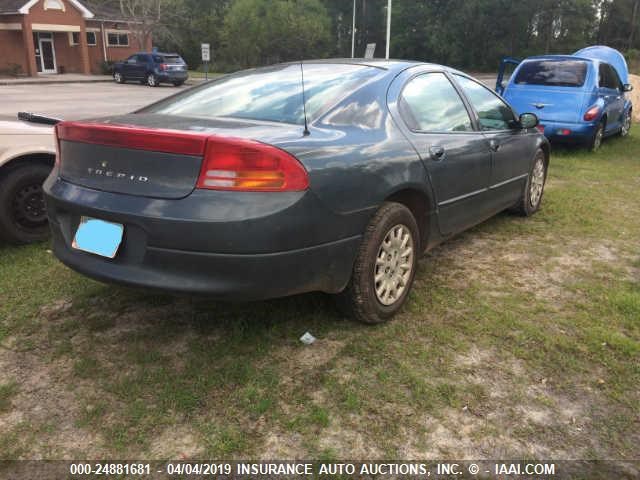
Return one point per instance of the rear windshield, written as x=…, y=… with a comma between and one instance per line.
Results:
x=561, y=73
x=167, y=59
x=271, y=94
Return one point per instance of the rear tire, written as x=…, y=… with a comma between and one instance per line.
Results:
x=23, y=217
x=385, y=266
x=597, y=137
x=151, y=80
x=531, y=198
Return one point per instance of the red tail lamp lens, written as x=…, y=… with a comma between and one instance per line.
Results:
x=540, y=128
x=238, y=164
x=592, y=113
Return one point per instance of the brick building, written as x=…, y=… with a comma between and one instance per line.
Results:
x=62, y=36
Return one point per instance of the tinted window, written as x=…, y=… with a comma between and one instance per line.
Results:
x=430, y=103
x=493, y=113
x=167, y=59
x=608, y=77
x=272, y=94
x=562, y=73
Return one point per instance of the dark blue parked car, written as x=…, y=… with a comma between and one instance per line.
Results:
x=234, y=189
x=578, y=98
x=152, y=68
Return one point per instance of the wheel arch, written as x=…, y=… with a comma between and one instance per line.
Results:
x=420, y=206
x=44, y=157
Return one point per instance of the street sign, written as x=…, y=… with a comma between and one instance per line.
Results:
x=206, y=52
x=371, y=49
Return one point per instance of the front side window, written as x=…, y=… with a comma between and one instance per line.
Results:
x=271, y=94
x=493, y=113
x=557, y=73
x=429, y=103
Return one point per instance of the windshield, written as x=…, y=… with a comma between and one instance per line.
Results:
x=562, y=73
x=168, y=59
x=271, y=94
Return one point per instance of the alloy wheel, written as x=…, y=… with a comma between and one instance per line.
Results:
x=536, y=183
x=597, y=140
x=626, y=124
x=151, y=80
x=394, y=265
x=117, y=77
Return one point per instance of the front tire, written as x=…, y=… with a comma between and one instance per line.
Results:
x=118, y=77
x=531, y=198
x=626, y=124
x=23, y=218
x=385, y=266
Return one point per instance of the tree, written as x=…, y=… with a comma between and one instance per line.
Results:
x=260, y=32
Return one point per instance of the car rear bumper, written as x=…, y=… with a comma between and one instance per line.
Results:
x=178, y=76
x=268, y=253
x=577, y=132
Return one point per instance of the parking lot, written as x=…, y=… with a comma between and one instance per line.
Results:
x=520, y=339
x=74, y=101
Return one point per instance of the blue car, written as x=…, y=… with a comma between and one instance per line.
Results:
x=152, y=69
x=578, y=98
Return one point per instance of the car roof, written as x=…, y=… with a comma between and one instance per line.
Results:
x=557, y=57
x=391, y=65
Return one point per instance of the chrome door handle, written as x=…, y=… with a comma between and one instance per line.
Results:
x=437, y=153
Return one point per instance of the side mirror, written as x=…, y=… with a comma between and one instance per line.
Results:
x=529, y=120
x=627, y=87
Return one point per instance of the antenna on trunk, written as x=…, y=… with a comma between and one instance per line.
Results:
x=304, y=102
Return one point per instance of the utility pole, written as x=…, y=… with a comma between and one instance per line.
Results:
x=353, y=32
x=388, y=27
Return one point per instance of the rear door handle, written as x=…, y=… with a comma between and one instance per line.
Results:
x=494, y=145
x=436, y=153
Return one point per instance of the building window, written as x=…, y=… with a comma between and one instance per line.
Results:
x=74, y=38
x=53, y=5
x=118, y=39
x=91, y=38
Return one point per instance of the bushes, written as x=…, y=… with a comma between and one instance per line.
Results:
x=12, y=70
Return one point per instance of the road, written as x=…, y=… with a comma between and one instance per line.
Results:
x=74, y=101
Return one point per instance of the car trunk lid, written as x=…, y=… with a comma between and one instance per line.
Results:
x=151, y=155
x=550, y=104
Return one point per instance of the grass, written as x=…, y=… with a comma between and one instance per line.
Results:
x=521, y=338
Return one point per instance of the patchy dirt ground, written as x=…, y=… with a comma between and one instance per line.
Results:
x=521, y=339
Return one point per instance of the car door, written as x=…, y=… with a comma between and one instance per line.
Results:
x=129, y=67
x=454, y=153
x=510, y=153
x=612, y=93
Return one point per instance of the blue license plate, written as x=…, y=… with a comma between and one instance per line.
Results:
x=98, y=237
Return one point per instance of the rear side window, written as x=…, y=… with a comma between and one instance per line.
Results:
x=429, y=103
x=167, y=59
x=608, y=77
x=493, y=113
x=560, y=73
x=272, y=94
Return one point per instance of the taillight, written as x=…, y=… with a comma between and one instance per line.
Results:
x=57, y=140
x=158, y=140
x=228, y=163
x=238, y=164
x=592, y=113
x=163, y=66
x=540, y=128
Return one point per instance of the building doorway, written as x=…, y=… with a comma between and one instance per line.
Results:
x=45, y=52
